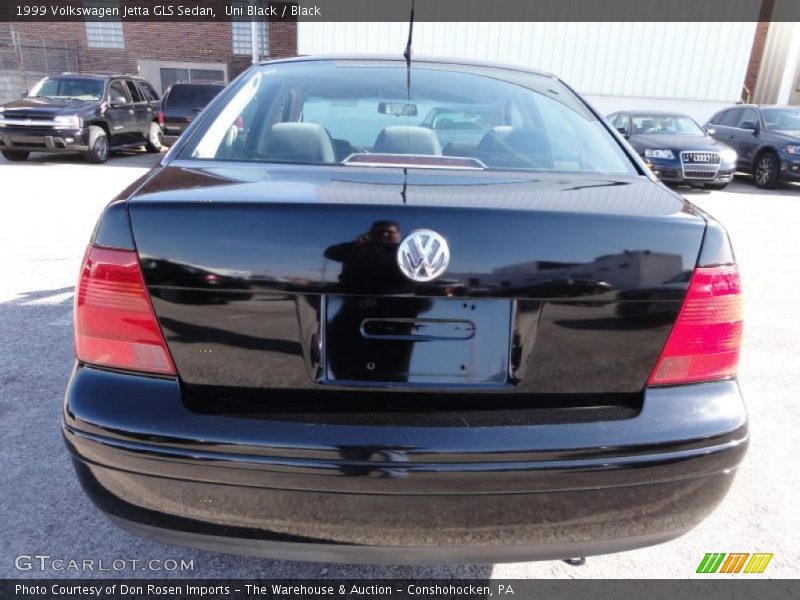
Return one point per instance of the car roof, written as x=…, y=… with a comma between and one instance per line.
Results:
x=443, y=60
x=198, y=83
x=97, y=75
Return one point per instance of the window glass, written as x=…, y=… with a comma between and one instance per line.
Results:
x=242, y=35
x=192, y=96
x=731, y=118
x=75, y=88
x=748, y=115
x=666, y=124
x=321, y=112
x=133, y=91
x=108, y=32
x=782, y=118
x=149, y=90
x=118, y=89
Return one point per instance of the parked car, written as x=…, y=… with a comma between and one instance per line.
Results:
x=342, y=406
x=181, y=103
x=766, y=139
x=678, y=150
x=89, y=114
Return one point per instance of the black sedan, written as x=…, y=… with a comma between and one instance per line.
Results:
x=677, y=149
x=335, y=399
x=766, y=138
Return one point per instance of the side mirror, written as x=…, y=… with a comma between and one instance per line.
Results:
x=118, y=101
x=624, y=132
x=750, y=126
x=710, y=130
x=23, y=94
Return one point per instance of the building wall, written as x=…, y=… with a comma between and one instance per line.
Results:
x=201, y=42
x=695, y=67
x=778, y=77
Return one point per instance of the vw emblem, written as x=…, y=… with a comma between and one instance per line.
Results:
x=423, y=255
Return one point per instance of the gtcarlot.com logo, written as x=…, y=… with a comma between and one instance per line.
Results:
x=46, y=562
x=734, y=562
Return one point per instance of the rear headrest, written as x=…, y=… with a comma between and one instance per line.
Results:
x=301, y=142
x=401, y=139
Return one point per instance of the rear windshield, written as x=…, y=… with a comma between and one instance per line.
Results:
x=327, y=112
x=192, y=96
x=72, y=88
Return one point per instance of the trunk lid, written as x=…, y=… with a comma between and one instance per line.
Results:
x=285, y=277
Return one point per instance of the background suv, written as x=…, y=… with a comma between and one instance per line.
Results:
x=90, y=114
x=181, y=103
x=766, y=139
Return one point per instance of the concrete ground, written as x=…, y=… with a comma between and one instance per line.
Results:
x=48, y=207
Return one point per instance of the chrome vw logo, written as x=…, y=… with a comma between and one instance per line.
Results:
x=423, y=255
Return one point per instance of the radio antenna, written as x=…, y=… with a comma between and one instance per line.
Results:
x=407, y=53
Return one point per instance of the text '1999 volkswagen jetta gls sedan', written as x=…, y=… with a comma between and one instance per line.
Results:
x=368, y=311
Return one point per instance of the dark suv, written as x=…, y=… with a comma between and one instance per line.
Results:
x=766, y=139
x=90, y=114
x=181, y=103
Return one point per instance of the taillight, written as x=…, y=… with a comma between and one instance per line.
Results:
x=161, y=118
x=115, y=325
x=705, y=340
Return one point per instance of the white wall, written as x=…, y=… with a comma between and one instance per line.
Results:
x=693, y=67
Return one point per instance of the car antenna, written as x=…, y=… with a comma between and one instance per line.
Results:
x=407, y=56
x=407, y=53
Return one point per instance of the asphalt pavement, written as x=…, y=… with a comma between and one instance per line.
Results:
x=48, y=207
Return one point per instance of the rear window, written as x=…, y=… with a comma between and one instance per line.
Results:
x=192, y=96
x=324, y=112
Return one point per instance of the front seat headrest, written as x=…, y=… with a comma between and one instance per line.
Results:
x=401, y=139
x=300, y=142
x=515, y=147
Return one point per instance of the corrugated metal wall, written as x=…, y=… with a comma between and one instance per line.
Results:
x=777, y=77
x=684, y=61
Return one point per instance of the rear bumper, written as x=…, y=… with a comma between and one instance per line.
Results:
x=401, y=494
x=44, y=140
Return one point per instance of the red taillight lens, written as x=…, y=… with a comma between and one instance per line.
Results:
x=115, y=325
x=161, y=118
x=704, y=342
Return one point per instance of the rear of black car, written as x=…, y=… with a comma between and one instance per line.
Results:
x=256, y=374
x=181, y=103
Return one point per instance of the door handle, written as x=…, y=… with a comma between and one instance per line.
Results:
x=130, y=111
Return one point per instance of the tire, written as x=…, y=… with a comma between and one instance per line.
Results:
x=766, y=173
x=153, y=144
x=716, y=186
x=15, y=155
x=98, y=146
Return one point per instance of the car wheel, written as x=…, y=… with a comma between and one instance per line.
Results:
x=716, y=186
x=153, y=138
x=15, y=155
x=767, y=171
x=98, y=145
